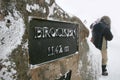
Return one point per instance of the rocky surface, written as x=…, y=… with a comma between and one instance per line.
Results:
x=14, y=56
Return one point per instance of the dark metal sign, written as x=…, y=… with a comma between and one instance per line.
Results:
x=50, y=40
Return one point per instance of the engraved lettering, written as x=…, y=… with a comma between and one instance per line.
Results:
x=45, y=32
x=54, y=50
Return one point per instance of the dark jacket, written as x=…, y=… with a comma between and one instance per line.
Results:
x=99, y=31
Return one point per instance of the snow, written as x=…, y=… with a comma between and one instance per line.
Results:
x=11, y=32
x=113, y=60
x=94, y=57
x=34, y=7
x=10, y=36
x=48, y=1
x=51, y=11
x=90, y=10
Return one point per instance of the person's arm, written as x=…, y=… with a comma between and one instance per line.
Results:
x=108, y=34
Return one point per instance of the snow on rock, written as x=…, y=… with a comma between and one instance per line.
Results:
x=90, y=63
x=48, y=1
x=94, y=58
x=34, y=7
x=54, y=9
x=51, y=11
x=11, y=32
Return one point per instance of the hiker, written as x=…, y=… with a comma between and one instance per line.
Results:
x=100, y=35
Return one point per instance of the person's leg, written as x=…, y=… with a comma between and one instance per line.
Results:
x=104, y=62
x=104, y=58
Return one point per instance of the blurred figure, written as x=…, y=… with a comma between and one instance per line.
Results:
x=100, y=35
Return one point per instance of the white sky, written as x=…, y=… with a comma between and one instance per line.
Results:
x=90, y=10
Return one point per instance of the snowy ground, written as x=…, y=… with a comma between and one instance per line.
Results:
x=113, y=61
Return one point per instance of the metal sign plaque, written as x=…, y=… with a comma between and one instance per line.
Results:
x=50, y=40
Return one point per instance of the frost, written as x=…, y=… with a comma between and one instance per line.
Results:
x=10, y=36
x=90, y=63
x=77, y=52
x=25, y=46
x=33, y=66
x=48, y=1
x=11, y=32
x=80, y=65
x=44, y=10
x=51, y=11
x=94, y=57
x=8, y=72
x=29, y=8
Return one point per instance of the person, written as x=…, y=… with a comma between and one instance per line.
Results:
x=101, y=34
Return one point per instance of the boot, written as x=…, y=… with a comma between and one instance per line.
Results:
x=104, y=70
